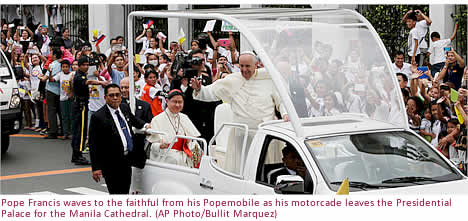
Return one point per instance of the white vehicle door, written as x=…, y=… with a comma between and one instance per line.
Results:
x=272, y=163
x=221, y=173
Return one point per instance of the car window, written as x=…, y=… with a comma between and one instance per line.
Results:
x=4, y=70
x=278, y=158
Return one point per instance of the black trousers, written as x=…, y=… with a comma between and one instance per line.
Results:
x=53, y=109
x=119, y=179
x=80, y=121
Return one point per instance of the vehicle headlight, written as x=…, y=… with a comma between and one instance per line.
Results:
x=15, y=99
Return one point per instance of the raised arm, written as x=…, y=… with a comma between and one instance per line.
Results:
x=428, y=20
x=460, y=60
x=137, y=40
x=454, y=32
x=213, y=41
x=406, y=15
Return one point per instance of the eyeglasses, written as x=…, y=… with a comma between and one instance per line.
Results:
x=114, y=95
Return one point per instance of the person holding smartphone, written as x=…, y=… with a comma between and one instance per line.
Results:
x=453, y=69
x=437, y=51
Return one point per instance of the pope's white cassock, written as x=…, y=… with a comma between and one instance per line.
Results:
x=252, y=101
x=171, y=124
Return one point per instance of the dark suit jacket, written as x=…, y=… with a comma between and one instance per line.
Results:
x=142, y=112
x=105, y=144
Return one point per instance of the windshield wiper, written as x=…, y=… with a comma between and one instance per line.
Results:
x=410, y=179
x=363, y=185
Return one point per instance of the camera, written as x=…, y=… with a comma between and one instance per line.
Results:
x=185, y=62
x=94, y=59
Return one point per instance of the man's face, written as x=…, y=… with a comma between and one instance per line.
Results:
x=120, y=41
x=410, y=23
x=66, y=33
x=124, y=87
x=175, y=104
x=113, y=97
x=293, y=161
x=399, y=60
x=44, y=31
x=119, y=62
x=402, y=82
x=173, y=46
x=222, y=60
x=247, y=65
x=84, y=67
x=451, y=58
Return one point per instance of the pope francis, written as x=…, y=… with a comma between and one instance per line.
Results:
x=253, y=100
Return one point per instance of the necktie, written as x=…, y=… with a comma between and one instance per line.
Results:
x=125, y=131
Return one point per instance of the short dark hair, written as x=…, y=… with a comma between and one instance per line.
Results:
x=106, y=89
x=148, y=66
x=399, y=53
x=57, y=52
x=288, y=149
x=405, y=78
x=165, y=57
x=412, y=16
x=119, y=37
x=435, y=35
x=82, y=60
x=110, y=40
x=405, y=92
x=453, y=121
x=151, y=71
x=65, y=62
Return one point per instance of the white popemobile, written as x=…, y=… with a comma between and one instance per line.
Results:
x=347, y=118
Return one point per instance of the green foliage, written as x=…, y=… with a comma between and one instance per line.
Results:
x=460, y=39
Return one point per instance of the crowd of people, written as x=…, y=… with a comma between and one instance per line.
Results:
x=64, y=85
x=434, y=87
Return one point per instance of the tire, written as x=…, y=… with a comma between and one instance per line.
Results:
x=5, y=143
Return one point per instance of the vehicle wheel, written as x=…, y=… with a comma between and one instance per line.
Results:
x=5, y=142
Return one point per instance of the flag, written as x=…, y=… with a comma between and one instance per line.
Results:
x=95, y=33
x=459, y=116
x=181, y=37
x=344, y=188
x=148, y=24
x=100, y=39
x=453, y=95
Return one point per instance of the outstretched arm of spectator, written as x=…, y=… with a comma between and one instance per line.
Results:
x=406, y=15
x=212, y=40
x=459, y=106
x=232, y=43
x=110, y=62
x=422, y=88
x=442, y=73
x=17, y=35
x=460, y=60
x=137, y=40
x=454, y=32
x=161, y=46
x=416, y=45
x=29, y=31
x=428, y=20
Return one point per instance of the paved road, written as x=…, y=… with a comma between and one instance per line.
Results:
x=34, y=165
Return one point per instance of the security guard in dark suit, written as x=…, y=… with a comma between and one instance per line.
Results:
x=80, y=110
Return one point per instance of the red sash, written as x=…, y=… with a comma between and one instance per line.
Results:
x=182, y=145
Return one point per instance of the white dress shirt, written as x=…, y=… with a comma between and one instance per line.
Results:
x=117, y=124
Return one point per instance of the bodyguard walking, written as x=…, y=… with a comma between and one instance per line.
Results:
x=80, y=110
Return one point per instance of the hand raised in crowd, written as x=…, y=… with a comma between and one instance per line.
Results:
x=195, y=84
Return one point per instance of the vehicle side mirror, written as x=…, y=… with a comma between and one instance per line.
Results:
x=289, y=184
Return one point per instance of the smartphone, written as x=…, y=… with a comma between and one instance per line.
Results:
x=447, y=49
x=11, y=25
x=223, y=42
x=117, y=47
